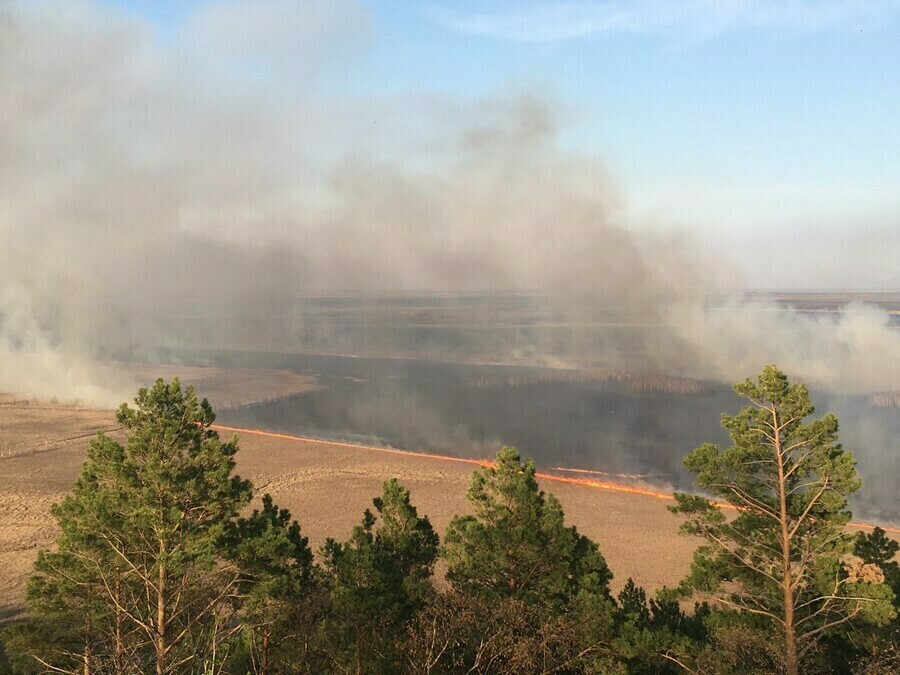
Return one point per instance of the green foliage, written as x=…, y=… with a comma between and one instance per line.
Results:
x=871, y=649
x=527, y=589
x=280, y=588
x=270, y=550
x=378, y=579
x=877, y=548
x=782, y=553
x=140, y=578
x=739, y=644
x=70, y=623
x=408, y=541
x=652, y=636
x=457, y=632
x=633, y=604
x=516, y=545
x=159, y=567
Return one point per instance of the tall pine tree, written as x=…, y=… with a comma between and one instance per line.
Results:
x=141, y=555
x=279, y=589
x=517, y=544
x=781, y=555
x=380, y=578
x=516, y=555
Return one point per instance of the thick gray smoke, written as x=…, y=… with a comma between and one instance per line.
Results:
x=856, y=350
x=146, y=178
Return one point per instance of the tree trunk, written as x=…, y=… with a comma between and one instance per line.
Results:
x=119, y=656
x=87, y=657
x=161, y=645
x=790, y=637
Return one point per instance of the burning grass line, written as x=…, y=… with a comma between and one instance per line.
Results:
x=607, y=485
x=352, y=446
x=594, y=472
x=584, y=482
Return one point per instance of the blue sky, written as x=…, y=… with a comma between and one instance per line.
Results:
x=737, y=118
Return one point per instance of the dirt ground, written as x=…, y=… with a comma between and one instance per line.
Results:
x=326, y=486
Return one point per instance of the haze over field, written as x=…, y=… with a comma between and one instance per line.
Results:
x=600, y=296
x=233, y=157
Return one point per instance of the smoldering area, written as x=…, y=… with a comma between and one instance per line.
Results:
x=462, y=376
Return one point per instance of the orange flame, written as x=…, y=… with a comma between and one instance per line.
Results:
x=594, y=472
x=607, y=485
x=586, y=482
x=353, y=446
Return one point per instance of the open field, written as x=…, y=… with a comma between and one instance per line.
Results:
x=224, y=387
x=29, y=427
x=525, y=329
x=326, y=486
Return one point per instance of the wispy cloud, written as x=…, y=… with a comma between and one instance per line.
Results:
x=549, y=21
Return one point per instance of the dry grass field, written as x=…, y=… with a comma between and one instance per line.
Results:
x=326, y=486
x=224, y=387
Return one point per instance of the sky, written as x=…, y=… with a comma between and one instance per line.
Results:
x=766, y=128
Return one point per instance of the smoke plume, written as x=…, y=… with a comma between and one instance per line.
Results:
x=147, y=178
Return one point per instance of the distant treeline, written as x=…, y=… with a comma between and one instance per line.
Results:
x=162, y=567
x=633, y=382
x=885, y=399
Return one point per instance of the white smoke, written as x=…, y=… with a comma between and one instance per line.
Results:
x=145, y=175
x=855, y=350
x=30, y=365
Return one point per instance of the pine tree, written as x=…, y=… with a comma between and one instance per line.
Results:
x=780, y=556
x=633, y=606
x=142, y=544
x=547, y=585
x=516, y=544
x=279, y=588
x=74, y=625
x=380, y=578
x=877, y=548
x=879, y=648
